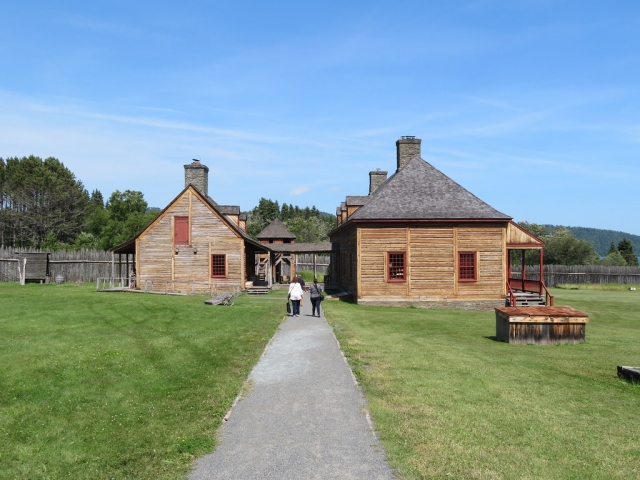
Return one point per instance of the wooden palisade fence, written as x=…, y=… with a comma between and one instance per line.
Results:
x=555, y=275
x=74, y=266
x=305, y=262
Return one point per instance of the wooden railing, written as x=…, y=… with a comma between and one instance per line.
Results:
x=512, y=296
x=548, y=297
x=111, y=283
x=532, y=286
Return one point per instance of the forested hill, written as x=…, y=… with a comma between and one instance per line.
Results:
x=600, y=238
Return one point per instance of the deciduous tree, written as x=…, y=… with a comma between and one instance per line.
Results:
x=127, y=216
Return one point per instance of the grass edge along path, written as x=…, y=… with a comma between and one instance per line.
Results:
x=448, y=401
x=117, y=385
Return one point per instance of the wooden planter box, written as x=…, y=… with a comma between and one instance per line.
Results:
x=540, y=325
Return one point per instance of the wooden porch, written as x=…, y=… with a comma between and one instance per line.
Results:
x=522, y=291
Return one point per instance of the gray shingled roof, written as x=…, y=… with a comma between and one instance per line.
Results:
x=357, y=200
x=420, y=191
x=228, y=209
x=275, y=229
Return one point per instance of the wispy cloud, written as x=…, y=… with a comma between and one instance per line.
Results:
x=95, y=26
x=299, y=190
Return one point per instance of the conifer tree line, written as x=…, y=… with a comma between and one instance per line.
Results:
x=43, y=205
x=309, y=225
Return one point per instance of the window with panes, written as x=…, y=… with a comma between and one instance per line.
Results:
x=396, y=267
x=218, y=265
x=467, y=268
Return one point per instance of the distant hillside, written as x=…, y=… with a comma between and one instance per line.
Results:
x=601, y=238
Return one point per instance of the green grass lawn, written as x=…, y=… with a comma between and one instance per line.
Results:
x=118, y=385
x=449, y=401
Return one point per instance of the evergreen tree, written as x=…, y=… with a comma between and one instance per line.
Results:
x=612, y=248
x=39, y=198
x=284, y=212
x=96, y=198
x=308, y=224
x=625, y=247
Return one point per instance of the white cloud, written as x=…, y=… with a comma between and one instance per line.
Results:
x=299, y=190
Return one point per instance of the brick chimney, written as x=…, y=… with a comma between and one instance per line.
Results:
x=407, y=147
x=376, y=178
x=197, y=174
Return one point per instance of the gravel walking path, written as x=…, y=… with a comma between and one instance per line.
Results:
x=303, y=417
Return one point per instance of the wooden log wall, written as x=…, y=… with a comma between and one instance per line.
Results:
x=487, y=242
x=344, y=263
x=375, y=243
x=431, y=261
x=432, y=268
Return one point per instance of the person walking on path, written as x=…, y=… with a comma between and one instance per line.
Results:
x=315, y=293
x=295, y=295
x=301, y=282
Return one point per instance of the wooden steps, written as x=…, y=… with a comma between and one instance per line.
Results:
x=527, y=299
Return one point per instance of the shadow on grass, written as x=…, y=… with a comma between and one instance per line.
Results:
x=492, y=337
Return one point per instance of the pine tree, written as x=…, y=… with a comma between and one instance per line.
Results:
x=40, y=199
x=97, y=199
x=284, y=212
x=625, y=247
x=612, y=248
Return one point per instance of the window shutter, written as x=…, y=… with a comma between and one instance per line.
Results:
x=181, y=230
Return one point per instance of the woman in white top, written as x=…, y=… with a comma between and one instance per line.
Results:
x=295, y=294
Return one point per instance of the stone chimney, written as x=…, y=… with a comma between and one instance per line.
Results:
x=197, y=174
x=408, y=147
x=376, y=178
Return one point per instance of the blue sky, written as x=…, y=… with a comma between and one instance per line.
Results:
x=534, y=106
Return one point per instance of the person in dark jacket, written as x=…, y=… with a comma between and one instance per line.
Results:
x=315, y=292
x=301, y=282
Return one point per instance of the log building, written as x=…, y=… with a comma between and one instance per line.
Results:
x=420, y=238
x=195, y=242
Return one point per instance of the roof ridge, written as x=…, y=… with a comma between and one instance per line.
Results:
x=276, y=229
x=418, y=190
